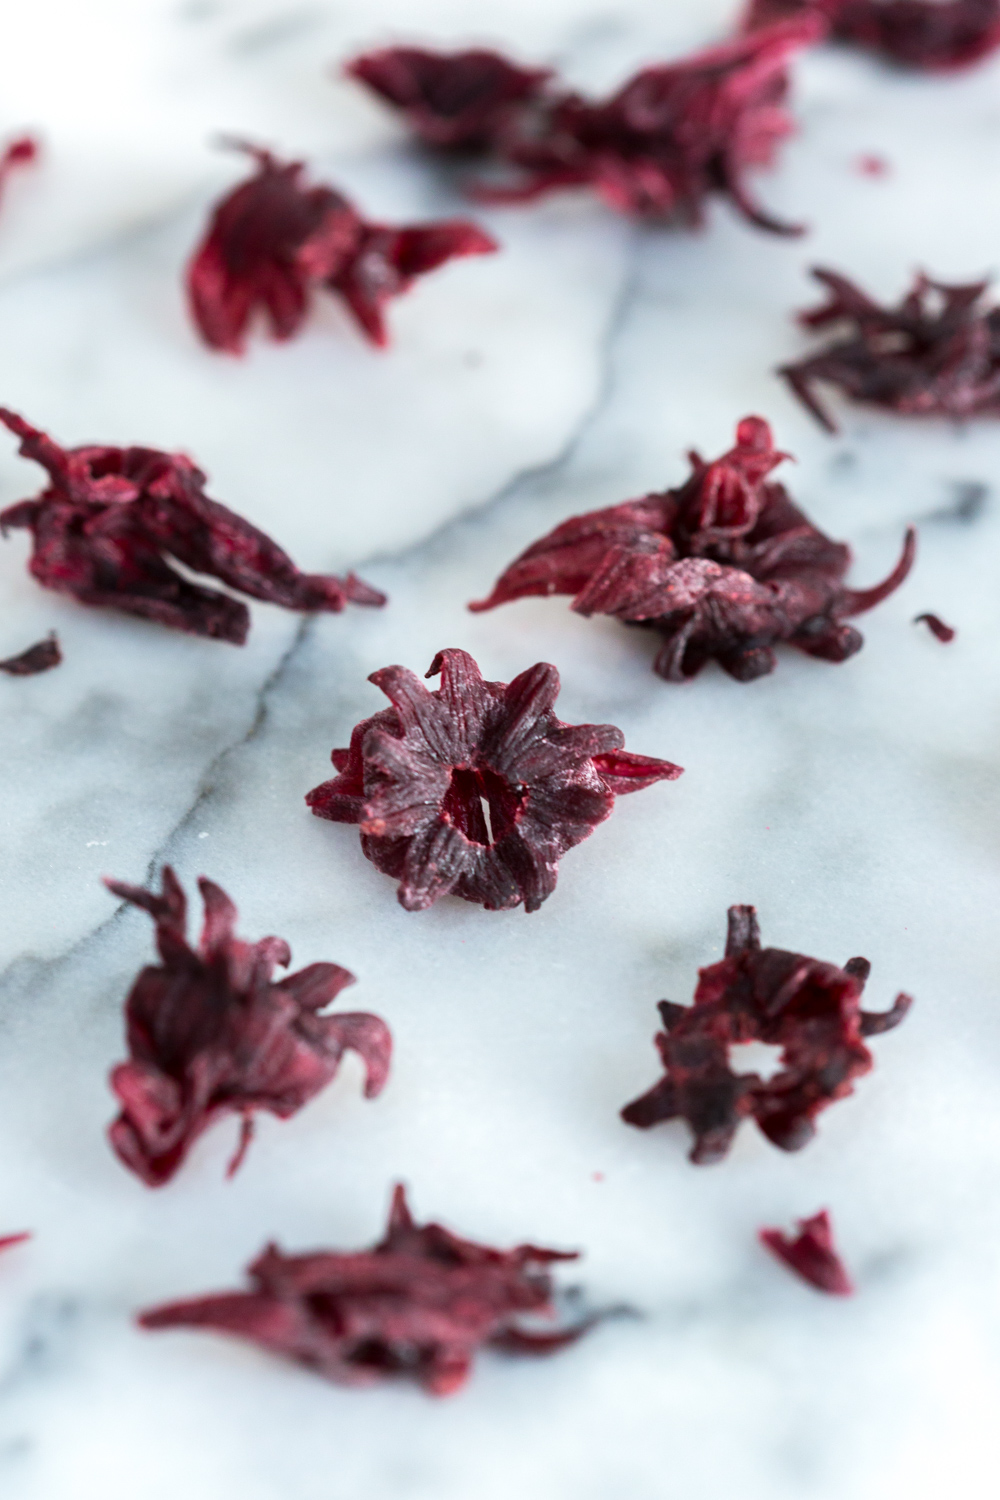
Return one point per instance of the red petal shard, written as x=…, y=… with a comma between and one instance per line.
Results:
x=934, y=35
x=210, y=1032
x=418, y=1305
x=8, y=1241
x=945, y=633
x=811, y=1010
x=41, y=657
x=477, y=789
x=811, y=1254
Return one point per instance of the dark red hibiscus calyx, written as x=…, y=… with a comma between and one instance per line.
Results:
x=477, y=789
x=40, y=657
x=465, y=101
x=725, y=567
x=811, y=1254
x=112, y=519
x=669, y=139
x=418, y=1305
x=211, y=1033
x=274, y=241
x=935, y=35
x=811, y=1010
x=936, y=353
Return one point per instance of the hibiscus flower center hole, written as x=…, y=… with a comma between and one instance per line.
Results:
x=755, y=1057
x=482, y=804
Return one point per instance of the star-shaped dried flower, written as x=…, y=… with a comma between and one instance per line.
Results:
x=41, y=657
x=811, y=1010
x=419, y=1304
x=462, y=101
x=273, y=241
x=935, y=35
x=724, y=568
x=112, y=519
x=811, y=1254
x=23, y=152
x=477, y=789
x=937, y=353
x=210, y=1033
x=673, y=135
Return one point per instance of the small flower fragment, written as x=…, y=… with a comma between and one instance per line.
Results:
x=23, y=152
x=668, y=139
x=932, y=35
x=811, y=1010
x=8, y=1241
x=724, y=568
x=937, y=627
x=210, y=1033
x=477, y=789
x=937, y=353
x=464, y=101
x=41, y=657
x=417, y=1305
x=273, y=241
x=811, y=1254
x=112, y=519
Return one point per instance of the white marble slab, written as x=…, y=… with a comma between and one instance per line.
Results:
x=855, y=805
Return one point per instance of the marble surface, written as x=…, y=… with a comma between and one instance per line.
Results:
x=855, y=805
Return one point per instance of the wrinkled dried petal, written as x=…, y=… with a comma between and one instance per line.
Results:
x=811, y=1254
x=724, y=568
x=41, y=657
x=935, y=35
x=451, y=100
x=210, y=1032
x=112, y=519
x=937, y=627
x=477, y=789
x=811, y=1010
x=937, y=353
x=273, y=241
x=420, y=1304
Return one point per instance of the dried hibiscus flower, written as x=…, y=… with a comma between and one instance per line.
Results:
x=811, y=1254
x=462, y=101
x=419, y=1304
x=937, y=627
x=112, y=518
x=210, y=1033
x=724, y=568
x=660, y=147
x=274, y=240
x=477, y=789
x=937, y=353
x=934, y=35
x=41, y=657
x=811, y=1010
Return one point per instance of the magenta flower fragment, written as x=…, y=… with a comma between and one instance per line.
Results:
x=934, y=35
x=8, y=1241
x=811, y=1254
x=937, y=353
x=23, y=152
x=418, y=1305
x=210, y=1033
x=811, y=1010
x=41, y=657
x=464, y=101
x=274, y=241
x=477, y=789
x=723, y=568
x=112, y=519
x=670, y=138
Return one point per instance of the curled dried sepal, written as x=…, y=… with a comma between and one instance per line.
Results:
x=477, y=789
x=274, y=240
x=811, y=1010
x=465, y=101
x=937, y=627
x=936, y=353
x=41, y=657
x=725, y=567
x=418, y=1305
x=932, y=35
x=112, y=520
x=811, y=1254
x=210, y=1033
